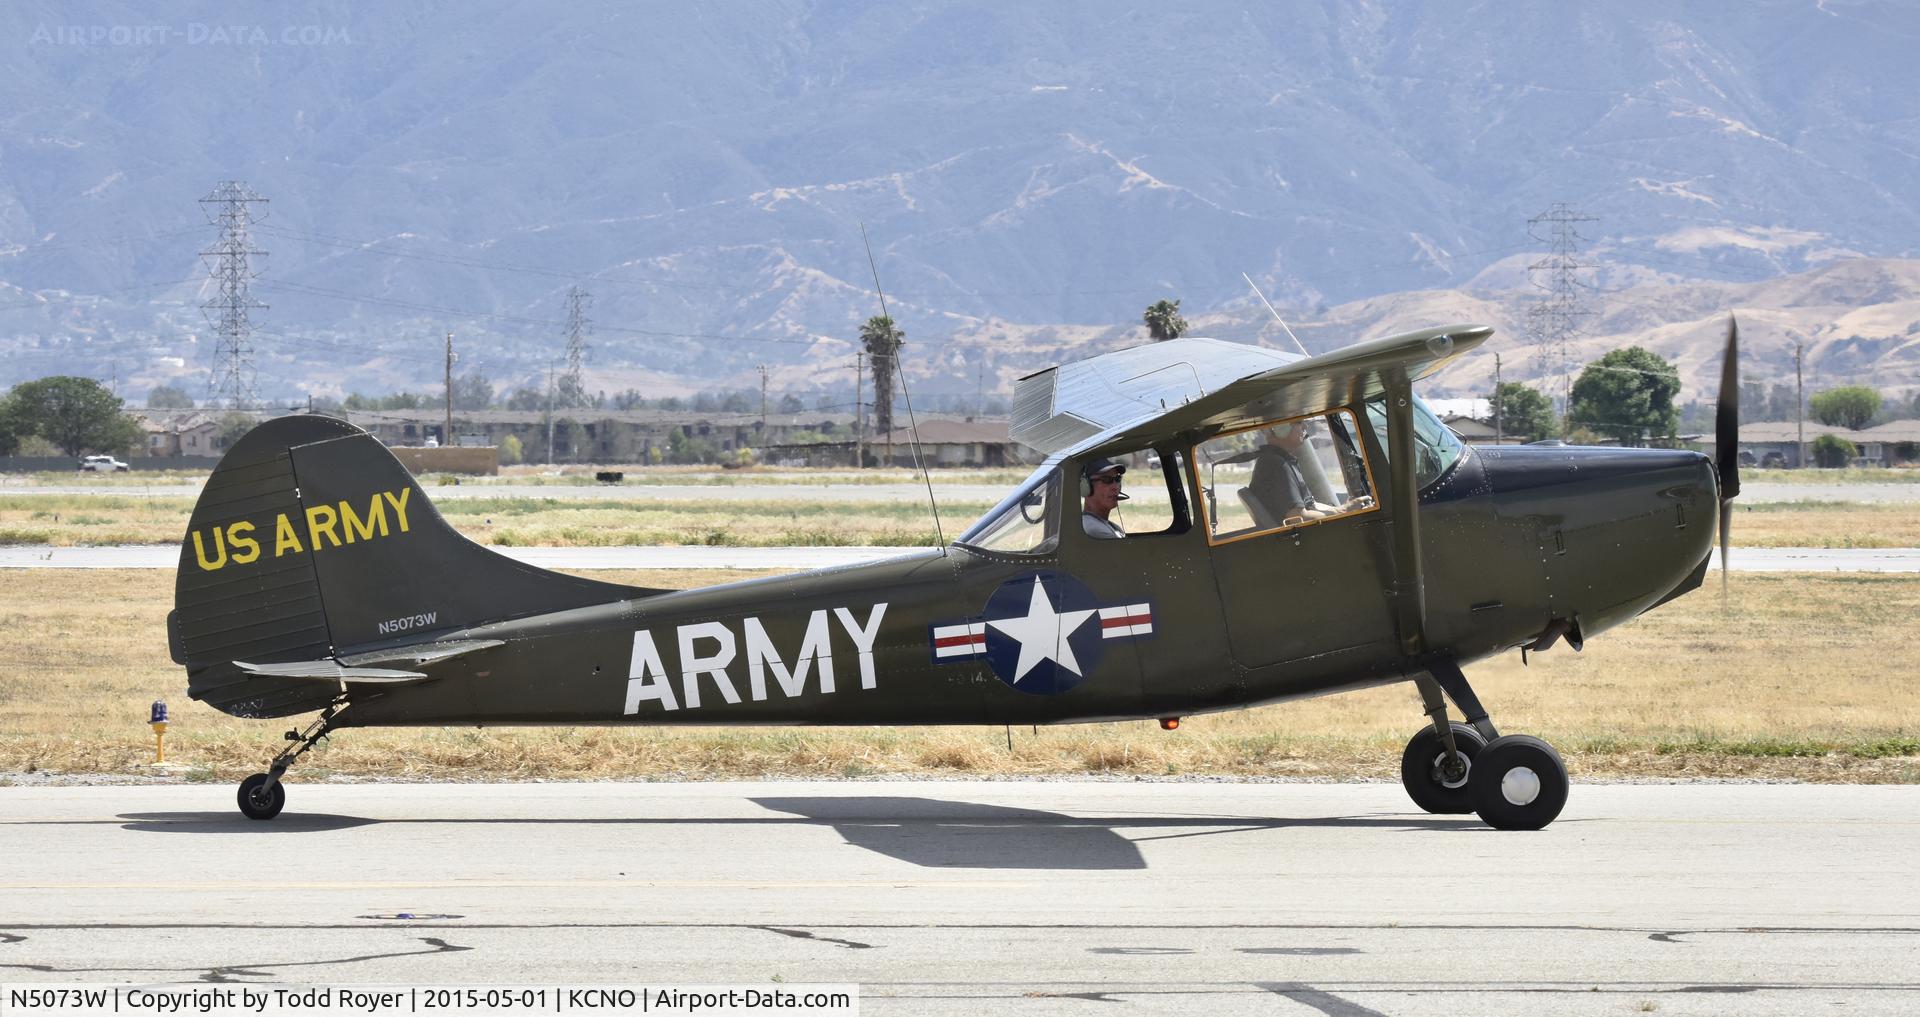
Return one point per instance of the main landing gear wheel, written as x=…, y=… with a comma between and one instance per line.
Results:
x=1518, y=783
x=262, y=797
x=1431, y=782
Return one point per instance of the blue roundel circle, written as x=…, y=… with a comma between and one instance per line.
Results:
x=1043, y=633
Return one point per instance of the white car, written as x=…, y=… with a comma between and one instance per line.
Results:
x=102, y=464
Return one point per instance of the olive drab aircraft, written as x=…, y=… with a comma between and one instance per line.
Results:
x=1294, y=526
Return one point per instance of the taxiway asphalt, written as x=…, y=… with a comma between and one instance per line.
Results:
x=1054, y=897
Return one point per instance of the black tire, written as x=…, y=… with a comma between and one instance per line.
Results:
x=257, y=801
x=1421, y=775
x=1518, y=783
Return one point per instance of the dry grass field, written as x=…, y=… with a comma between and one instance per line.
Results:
x=107, y=518
x=1803, y=677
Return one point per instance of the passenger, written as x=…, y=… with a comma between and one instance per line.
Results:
x=1100, y=494
x=1278, y=483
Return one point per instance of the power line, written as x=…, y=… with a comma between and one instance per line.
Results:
x=1555, y=320
x=573, y=390
x=230, y=208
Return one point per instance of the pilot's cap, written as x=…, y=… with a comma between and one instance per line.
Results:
x=1103, y=468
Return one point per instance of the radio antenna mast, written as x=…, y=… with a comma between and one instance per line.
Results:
x=913, y=424
x=1276, y=315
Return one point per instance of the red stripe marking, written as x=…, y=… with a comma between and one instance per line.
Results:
x=1118, y=623
x=959, y=640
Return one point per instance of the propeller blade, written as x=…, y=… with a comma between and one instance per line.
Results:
x=1726, y=417
x=1726, y=440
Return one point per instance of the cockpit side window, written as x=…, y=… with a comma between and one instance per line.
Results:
x=1283, y=474
x=1153, y=497
x=1027, y=522
x=1436, y=447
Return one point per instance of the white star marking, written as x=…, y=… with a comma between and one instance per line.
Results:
x=1043, y=633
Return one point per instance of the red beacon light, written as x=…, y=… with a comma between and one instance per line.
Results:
x=1169, y=723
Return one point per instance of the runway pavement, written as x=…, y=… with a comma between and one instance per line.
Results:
x=1005, y=898
x=165, y=556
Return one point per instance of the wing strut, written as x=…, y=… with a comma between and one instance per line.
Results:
x=1409, y=586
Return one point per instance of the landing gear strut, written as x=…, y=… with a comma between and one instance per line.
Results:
x=262, y=796
x=1514, y=782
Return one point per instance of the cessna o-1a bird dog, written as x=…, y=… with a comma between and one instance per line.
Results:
x=1298, y=526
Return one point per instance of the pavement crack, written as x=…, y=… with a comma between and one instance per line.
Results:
x=235, y=972
x=1325, y=1002
x=804, y=934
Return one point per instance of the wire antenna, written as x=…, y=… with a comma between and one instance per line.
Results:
x=1276, y=315
x=229, y=207
x=913, y=424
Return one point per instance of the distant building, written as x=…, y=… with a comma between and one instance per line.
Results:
x=1475, y=431
x=169, y=434
x=967, y=442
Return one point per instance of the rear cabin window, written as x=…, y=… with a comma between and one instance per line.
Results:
x=1283, y=474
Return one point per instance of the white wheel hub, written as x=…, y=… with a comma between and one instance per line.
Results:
x=1520, y=786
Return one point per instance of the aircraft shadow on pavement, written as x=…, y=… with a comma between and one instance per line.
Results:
x=929, y=832
x=234, y=822
x=946, y=834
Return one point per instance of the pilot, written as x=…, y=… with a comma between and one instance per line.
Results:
x=1279, y=485
x=1100, y=494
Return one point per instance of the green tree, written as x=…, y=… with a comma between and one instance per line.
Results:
x=472, y=391
x=882, y=339
x=75, y=414
x=1628, y=395
x=1832, y=451
x=1850, y=406
x=1164, y=321
x=12, y=429
x=169, y=397
x=687, y=449
x=1524, y=412
x=511, y=451
x=527, y=399
x=233, y=427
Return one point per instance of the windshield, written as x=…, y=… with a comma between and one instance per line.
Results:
x=1436, y=446
x=1027, y=522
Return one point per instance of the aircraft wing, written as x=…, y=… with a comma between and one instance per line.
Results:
x=1131, y=396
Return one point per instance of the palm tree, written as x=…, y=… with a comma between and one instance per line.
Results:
x=1164, y=321
x=882, y=340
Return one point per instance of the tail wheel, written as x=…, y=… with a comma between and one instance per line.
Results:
x=262, y=797
x=1518, y=783
x=1430, y=781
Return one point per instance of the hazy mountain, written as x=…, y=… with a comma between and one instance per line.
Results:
x=1032, y=172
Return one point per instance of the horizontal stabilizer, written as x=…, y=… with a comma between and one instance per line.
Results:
x=329, y=671
x=420, y=653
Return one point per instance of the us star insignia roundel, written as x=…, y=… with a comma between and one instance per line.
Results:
x=1041, y=633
